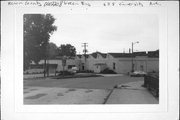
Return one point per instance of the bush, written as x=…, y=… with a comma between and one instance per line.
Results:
x=108, y=71
x=85, y=71
x=65, y=73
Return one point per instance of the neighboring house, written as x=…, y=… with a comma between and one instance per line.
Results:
x=70, y=62
x=118, y=62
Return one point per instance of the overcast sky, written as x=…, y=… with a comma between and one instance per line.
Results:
x=107, y=32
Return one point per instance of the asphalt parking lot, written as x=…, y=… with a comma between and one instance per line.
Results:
x=89, y=90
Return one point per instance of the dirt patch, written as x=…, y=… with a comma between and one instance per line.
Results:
x=36, y=96
x=72, y=89
x=88, y=91
x=60, y=94
x=33, y=89
x=67, y=91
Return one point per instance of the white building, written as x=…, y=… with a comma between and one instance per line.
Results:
x=118, y=62
x=123, y=62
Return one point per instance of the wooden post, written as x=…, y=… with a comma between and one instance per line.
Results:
x=44, y=67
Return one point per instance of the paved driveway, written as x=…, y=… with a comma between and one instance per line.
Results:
x=86, y=83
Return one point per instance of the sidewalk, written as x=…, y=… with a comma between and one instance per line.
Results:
x=131, y=93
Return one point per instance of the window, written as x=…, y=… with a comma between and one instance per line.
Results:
x=114, y=66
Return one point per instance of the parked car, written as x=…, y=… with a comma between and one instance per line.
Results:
x=73, y=70
x=138, y=74
x=108, y=71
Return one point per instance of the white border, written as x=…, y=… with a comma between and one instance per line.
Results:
x=15, y=81
x=91, y=108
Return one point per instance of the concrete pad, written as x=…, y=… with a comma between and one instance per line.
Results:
x=42, y=95
x=126, y=96
x=131, y=93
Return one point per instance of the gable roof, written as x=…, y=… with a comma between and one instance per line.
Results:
x=94, y=55
x=117, y=55
x=102, y=54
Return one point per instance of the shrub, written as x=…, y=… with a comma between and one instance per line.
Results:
x=85, y=71
x=65, y=73
x=108, y=71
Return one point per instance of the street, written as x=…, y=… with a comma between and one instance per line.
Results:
x=86, y=83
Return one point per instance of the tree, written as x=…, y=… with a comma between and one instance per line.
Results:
x=37, y=31
x=67, y=50
x=52, y=50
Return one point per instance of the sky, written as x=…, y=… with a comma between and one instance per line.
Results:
x=107, y=32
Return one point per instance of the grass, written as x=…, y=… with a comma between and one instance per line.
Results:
x=76, y=76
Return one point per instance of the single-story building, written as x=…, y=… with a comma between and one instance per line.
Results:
x=118, y=62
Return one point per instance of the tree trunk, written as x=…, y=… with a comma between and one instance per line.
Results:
x=47, y=68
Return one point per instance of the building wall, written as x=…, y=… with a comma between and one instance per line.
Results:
x=91, y=61
x=74, y=62
x=56, y=61
x=122, y=65
x=153, y=64
x=140, y=63
x=110, y=60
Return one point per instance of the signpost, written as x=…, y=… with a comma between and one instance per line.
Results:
x=133, y=55
x=64, y=63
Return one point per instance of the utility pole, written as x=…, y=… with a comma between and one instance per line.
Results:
x=133, y=55
x=64, y=63
x=45, y=59
x=132, y=59
x=85, y=51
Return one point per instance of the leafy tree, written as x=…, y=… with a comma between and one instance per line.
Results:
x=67, y=50
x=52, y=50
x=37, y=31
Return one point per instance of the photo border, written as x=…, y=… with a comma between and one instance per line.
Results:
x=12, y=85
